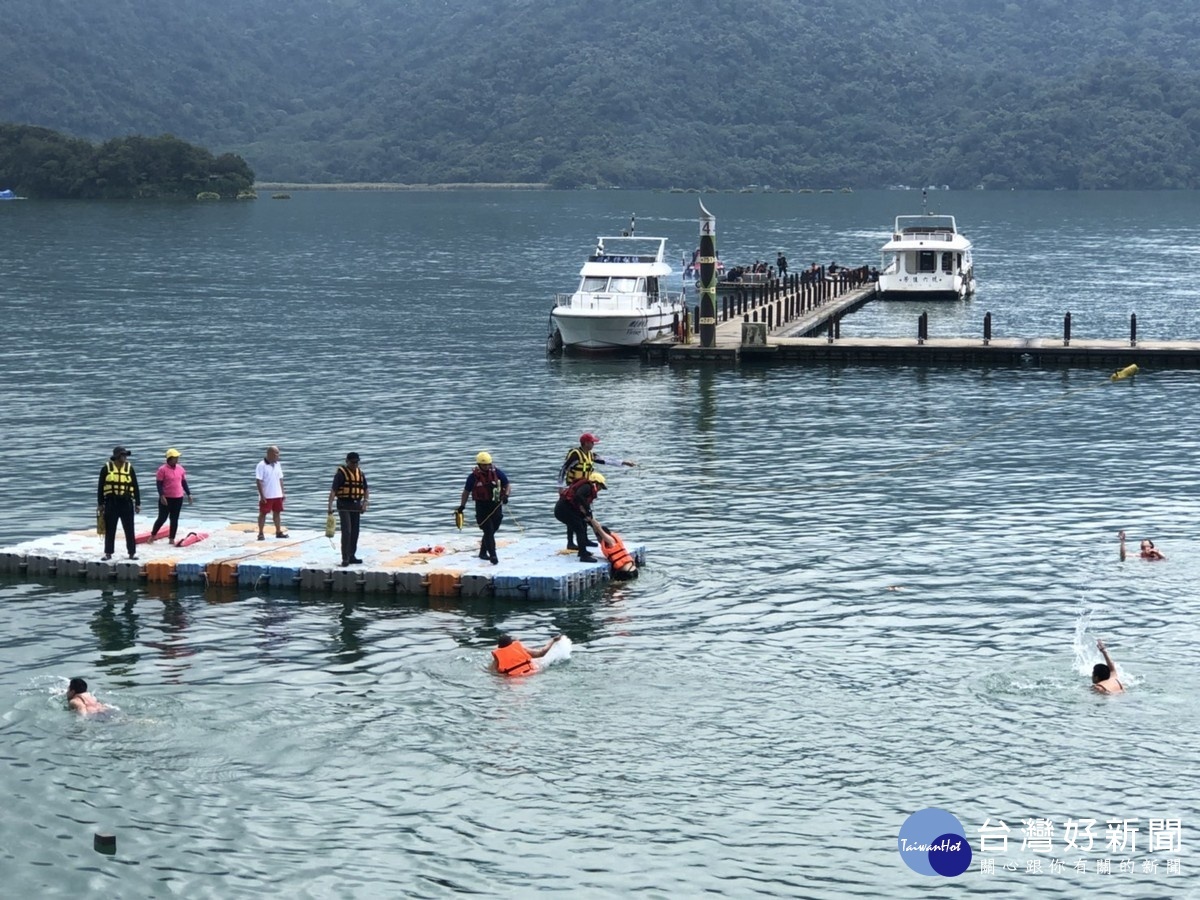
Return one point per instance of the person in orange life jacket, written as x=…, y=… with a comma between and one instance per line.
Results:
x=511, y=657
x=118, y=498
x=624, y=566
x=352, y=495
x=574, y=509
x=171, y=480
x=489, y=487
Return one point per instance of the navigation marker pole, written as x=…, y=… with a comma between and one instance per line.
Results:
x=708, y=278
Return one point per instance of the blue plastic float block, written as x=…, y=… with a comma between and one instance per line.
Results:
x=72, y=568
x=41, y=565
x=128, y=570
x=315, y=579
x=189, y=573
x=12, y=562
x=98, y=570
x=477, y=585
x=253, y=575
x=284, y=576
x=378, y=582
x=546, y=587
x=410, y=583
x=511, y=587
x=347, y=581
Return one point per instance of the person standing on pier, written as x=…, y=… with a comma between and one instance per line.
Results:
x=489, y=487
x=781, y=265
x=269, y=475
x=171, y=480
x=352, y=496
x=581, y=461
x=118, y=499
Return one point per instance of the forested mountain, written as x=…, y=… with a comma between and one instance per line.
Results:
x=631, y=93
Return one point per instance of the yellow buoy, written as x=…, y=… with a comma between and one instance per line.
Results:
x=330, y=528
x=1124, y=373
x=458, y=519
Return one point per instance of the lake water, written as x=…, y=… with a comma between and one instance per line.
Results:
x=870, y=590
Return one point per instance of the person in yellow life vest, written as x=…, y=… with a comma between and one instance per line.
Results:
x=511, y=657
x=118, y=499
x=489, y=487
x=580, y=462
x=352, y=496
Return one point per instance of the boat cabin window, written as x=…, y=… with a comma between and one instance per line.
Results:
x=947, y=262
x=926, y=261
x=594, y=285
x=623, y=285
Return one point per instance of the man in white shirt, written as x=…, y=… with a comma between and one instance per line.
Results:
x=269, y=475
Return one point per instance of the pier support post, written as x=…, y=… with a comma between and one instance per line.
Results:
x=987, y=328
x=707, y=311
x=1133, y=329
x=923, y=327
x=1067, y=330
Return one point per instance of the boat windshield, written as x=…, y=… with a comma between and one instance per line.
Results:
x=594, y=285
x=623, y=285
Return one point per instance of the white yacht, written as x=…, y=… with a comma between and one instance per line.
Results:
x=926, y=258
x=622, y=298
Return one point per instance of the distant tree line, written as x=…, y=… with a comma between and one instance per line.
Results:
x=38, y=162
x=1074, y=94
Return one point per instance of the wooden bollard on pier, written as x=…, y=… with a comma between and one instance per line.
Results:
x=987, y=328
x=1067, y=330
x=1133, y=329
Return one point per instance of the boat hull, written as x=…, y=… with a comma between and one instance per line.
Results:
x=597, y=331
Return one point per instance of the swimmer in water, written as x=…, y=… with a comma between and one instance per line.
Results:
x=1146, y=550
x=80, y=701
x=1104, y=675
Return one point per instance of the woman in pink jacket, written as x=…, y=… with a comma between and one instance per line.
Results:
x=172, y=488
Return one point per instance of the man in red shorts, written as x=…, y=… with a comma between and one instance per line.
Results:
x=269, y=475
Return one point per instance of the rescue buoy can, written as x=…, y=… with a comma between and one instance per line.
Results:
x=100, y=523
x=330, y=528
x=104, y=843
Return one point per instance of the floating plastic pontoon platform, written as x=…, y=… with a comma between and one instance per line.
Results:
x=430, y=565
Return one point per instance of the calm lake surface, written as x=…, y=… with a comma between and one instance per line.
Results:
x=870, y=590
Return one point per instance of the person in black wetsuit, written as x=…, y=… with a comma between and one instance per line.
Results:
x=574, y=509
x=489, y=487
x=352, y=496
x=118, y=499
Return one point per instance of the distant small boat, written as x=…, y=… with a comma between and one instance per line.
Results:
x=6, y=194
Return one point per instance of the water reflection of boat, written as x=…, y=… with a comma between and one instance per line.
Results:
x=926, y=258
x=621, y=300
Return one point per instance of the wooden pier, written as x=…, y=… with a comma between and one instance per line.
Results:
x=777, y=325
x=445, y=565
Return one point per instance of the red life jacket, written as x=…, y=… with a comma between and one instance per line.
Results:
x=513, y=659
x=487, y=485
x=617, y=555
x=580, y=494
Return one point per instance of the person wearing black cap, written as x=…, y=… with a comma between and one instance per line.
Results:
x=352, y=495
x=118, y=498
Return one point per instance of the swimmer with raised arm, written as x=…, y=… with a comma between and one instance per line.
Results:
x=1146, y=550
x=1104, y=675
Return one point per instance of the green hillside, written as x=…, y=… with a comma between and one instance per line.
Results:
x=860, y=93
